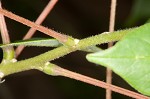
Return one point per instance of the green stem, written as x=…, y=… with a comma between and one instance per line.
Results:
x=8, y=53
x=102, y=38
x=38, y=61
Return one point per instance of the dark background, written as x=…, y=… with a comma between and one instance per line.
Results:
x=80, y=19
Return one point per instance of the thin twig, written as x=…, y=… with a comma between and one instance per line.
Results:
x=64, y=72
x=5, y=38
x=39, y=20
x=61, y=37
x=111, y=29
x=3, y=28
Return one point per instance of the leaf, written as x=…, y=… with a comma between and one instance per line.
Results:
x=129, y=58
x=42, y=42
x=92, y=49
x=45, y=42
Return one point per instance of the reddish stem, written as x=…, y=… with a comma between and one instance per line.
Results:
x=60, y=37
x=111, y=29
x=3, y=28
x=64, y=72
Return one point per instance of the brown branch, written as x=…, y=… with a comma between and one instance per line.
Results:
x=58, y=36
x=3, y=28
x=111, y=29
x=39, y=20
x=64, y=72
x=5, y=38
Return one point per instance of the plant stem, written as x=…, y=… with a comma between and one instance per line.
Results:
x=55, y=70
x=110, y=44
x=8, y=52
x=36, y=62
x=39, y=20
x=61, y=37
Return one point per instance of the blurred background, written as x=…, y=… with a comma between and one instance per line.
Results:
x=80, y=19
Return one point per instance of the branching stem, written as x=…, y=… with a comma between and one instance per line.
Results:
x=36, y=62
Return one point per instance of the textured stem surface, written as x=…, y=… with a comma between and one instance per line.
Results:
x=60, y=51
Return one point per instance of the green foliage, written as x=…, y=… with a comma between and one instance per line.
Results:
x=42, y=42
x=46, y=42
x=129, y=58
x=92, y=49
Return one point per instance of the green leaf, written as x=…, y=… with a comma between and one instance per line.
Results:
x=129, y=58
x=92, y=49
x=36, y=42
x=46, y=42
